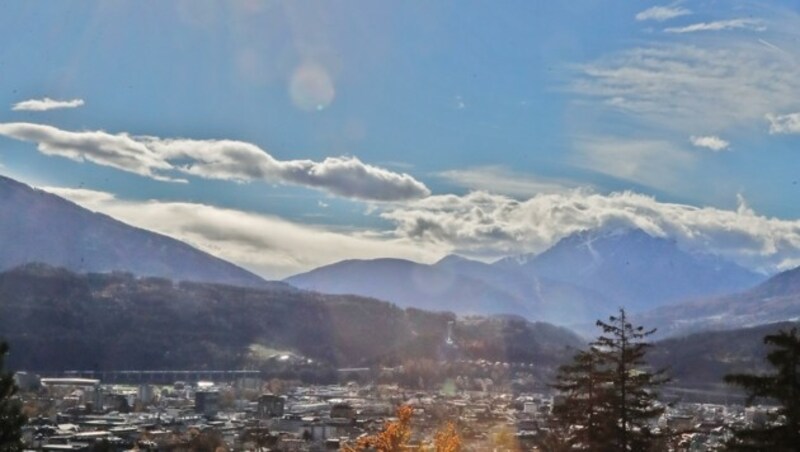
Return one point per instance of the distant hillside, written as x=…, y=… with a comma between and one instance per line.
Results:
x=774, y=300
x=36, y=226
x=702, y=359
x=55, y=319
x=458, y=285
x=634, y=269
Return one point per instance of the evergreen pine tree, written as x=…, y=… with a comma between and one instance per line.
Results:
x=608, y=393
x=782, y=386
x=633, y=402
x=11, y=417
x=581, y=416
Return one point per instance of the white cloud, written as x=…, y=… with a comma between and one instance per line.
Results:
x=236, y=160
x=712, y=142
x=662, y=13
x=268, y=245
x=490, y=225
x=684, y=87
x=120, y=151
x=159, y=158
x=499, y=179
x=46, y=104
x=732, y=24
x=780, y=124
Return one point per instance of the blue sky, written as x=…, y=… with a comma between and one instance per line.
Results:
x=308, y=132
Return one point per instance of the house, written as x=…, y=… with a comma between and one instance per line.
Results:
x=270, y=405
x=206, y=402
x=343, y=411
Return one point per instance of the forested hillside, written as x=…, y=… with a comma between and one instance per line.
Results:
x=58, y=320
x=702, y=359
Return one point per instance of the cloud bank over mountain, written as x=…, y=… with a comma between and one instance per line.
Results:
x=479, y=224
x=486, y=224
x=266, y=244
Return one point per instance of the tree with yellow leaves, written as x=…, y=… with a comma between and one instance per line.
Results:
x=447, y=439
x=395, y=435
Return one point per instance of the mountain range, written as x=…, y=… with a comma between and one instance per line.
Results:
x=584, y=276
x=581, y=278
x=79, y=289
x=453, y=284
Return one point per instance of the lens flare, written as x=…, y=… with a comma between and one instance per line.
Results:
x=311, y=88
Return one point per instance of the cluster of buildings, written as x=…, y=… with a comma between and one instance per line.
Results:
x=82, y=414
x=707, y=427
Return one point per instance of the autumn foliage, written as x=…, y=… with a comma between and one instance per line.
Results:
x=392, y=438
x=395, y=436
x=447, y=439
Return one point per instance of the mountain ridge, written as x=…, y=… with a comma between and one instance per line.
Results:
x=637, y=270
x=581, y=278
x=38, y=226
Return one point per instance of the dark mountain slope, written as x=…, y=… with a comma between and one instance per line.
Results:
x=36, y=226
x=58, y=320
x=702, y=359
x=774, y=300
